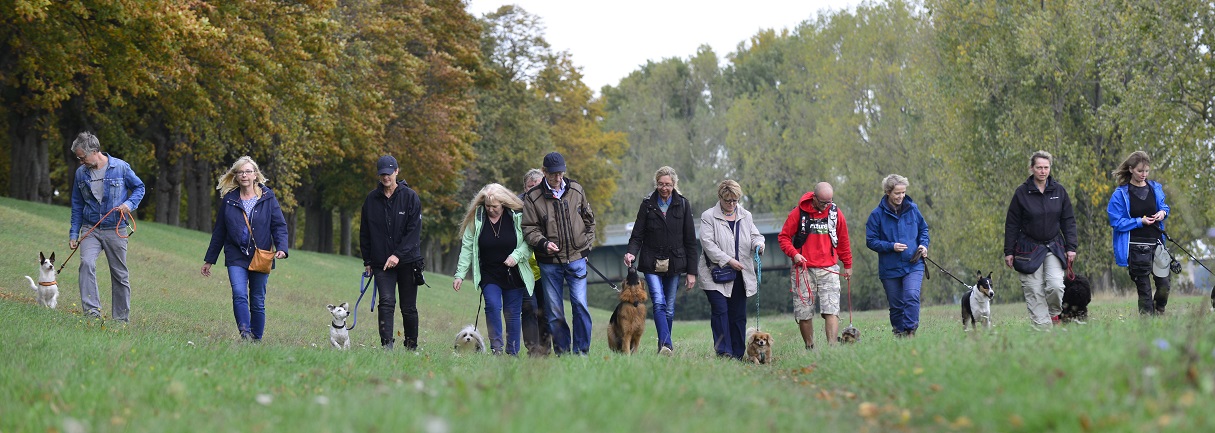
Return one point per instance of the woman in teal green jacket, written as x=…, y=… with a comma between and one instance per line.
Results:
x=493, y=246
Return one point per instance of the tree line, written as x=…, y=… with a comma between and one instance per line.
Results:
x=954, y=95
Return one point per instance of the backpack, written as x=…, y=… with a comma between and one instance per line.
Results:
x=803, y=227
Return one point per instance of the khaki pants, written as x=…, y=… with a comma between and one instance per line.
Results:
x=1044, y=291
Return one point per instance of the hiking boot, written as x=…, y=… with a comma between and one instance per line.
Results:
x=665, y=351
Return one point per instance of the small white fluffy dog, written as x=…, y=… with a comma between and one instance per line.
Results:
x=339, y=337
x=469, y=340
x=46, y=291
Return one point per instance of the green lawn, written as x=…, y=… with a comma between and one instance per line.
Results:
x=179, y=366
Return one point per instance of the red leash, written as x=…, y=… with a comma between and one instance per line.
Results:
x=801, y=278
x=123, y=215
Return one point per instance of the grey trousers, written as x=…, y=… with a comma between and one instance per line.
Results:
x=1044, y=291
x=120, y=286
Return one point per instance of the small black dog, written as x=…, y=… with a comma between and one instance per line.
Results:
x=1076, y=295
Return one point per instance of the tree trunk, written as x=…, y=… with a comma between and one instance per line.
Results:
x=318, y=227
x=200, y=193
x=30, y=174
x=169, y=175
x=292, y=223
x=347, y=221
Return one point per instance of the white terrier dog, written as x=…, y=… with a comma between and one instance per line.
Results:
x=469, y=340
x=339, y=337
x=46, y=291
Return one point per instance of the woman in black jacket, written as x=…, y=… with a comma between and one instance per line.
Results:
x=663, y=240
x=249, y=218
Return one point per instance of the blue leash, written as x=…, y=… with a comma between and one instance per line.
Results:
x=759, y=278
x=364, y=281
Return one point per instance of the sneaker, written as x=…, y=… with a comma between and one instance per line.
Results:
x=1054, y=320
x=665, y=351
x=93, y=314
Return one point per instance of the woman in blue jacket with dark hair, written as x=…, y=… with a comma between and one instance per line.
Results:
x=896, y=231
x=1137, y=212
x=246, y=195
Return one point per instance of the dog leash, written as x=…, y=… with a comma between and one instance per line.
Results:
x=945, y=271
x=604, y=277
x=368, y=278
x=759, y=265
x=849, y=279
x=123, y=215
x=1187, y=252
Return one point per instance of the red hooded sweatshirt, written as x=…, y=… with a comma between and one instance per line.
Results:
x=817, y=249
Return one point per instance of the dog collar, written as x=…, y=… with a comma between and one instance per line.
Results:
x=48, y=283
x=337, y=326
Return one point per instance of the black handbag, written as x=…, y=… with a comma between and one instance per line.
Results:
x=725, y=274
x=1139, y=258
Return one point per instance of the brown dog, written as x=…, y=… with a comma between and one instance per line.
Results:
x=759, y=346
x=628, y=320
x=850, y=335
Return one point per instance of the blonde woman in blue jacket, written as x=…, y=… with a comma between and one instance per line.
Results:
x=1137, y=212
x=493, y=247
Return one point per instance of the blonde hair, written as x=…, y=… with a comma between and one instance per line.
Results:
x=729, y=187
x=892, y=181
x=227, y=182
x=667, y=171
x=1039, y=154
x=493, y=191
x=1123, y=174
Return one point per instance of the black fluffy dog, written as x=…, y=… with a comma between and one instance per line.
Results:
x=1076, y=295
x=536, y=335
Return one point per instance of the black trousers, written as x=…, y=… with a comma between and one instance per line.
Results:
x=1149, y=304
x=388, y=283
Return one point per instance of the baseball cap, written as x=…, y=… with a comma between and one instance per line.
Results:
x=386, y=165
x=554, y=162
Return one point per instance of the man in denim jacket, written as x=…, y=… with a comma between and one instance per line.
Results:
x=102, y=184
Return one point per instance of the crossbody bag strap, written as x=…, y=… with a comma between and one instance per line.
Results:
x=251, y=239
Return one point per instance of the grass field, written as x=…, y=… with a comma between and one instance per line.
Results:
x=179, y=366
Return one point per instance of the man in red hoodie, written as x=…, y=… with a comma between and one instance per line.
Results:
x=815, y=236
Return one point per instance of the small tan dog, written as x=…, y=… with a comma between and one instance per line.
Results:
x=628, y=320
x=759, y=346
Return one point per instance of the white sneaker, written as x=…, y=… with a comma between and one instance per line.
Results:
x=665, y=351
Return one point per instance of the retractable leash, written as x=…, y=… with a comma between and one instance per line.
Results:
x=123, y=215
x=1187, y=252
x=959, y=280
x=366, y=280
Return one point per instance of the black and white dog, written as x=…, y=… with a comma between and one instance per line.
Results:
x=46, y=291
x=976, y=303
x=339, y=337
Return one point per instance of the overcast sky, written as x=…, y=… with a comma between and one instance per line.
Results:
x=610, y=39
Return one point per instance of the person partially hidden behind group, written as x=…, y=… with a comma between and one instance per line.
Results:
x=249, y=218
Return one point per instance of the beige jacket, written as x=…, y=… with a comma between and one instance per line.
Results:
x=717, y=242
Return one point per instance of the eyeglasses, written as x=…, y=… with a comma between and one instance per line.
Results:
x=244, y=172
x=729, y=200
x=81, y=158
x=666, y=185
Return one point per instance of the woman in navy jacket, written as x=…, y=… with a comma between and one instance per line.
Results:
x=1136, y=213
x=245, y=194
x=897, y=232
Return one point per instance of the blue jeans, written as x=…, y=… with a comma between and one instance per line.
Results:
x=728, y=319
x=555, y=277
x=497, y=298
x=248, y=300
x=903, y=295
x=662, y=292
